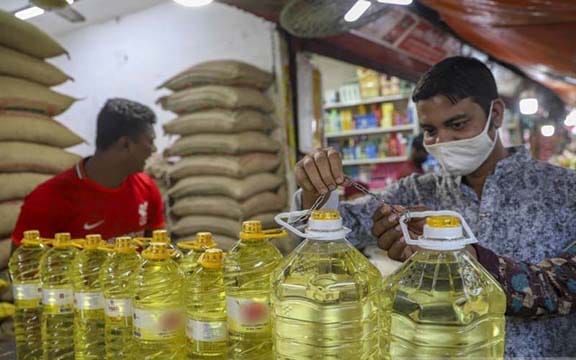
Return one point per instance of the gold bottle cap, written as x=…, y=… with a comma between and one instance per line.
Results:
x=92, y=242
x=443, y=221
x=123, y=244
x=160, y=236
x=325, y=215
x=157, y=251
x=211, y=259
x=62, y=240
x=31, y=237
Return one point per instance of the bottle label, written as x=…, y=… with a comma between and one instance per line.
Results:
x=30, y=291
x=58, y=301
x=118, y=307
x=248, y=315
x=157, y=324
x=209, y=331
x=88, y=301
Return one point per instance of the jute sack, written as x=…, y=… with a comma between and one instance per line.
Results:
x=220, y=72
x=23, y=36
x=5, y=247
x=190, y=225
x=224, y=186
x=219, y=121
x=36, y=128
x=20, y=65
x=212, y=96
x=18, y=94
x=225, y=165
x=9, y=212
x=18, y=185
x=29, y=157
x=222, y=241
x=232, y=144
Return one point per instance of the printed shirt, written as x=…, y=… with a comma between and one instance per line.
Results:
x=70, y=202
x=525, y=223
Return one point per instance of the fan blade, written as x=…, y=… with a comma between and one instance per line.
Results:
x=70, y=14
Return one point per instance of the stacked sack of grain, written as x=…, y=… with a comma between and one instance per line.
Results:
x=229, y=166
x=31, y=141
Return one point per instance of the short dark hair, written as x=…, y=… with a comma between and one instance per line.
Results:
x=418, y=142
x=121, y=117
x=458, y=78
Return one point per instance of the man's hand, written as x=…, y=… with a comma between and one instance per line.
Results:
x=319, y=173
x=387, y=230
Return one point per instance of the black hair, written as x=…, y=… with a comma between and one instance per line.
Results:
x=458, y=78
x=121, y=117
x=418, y=143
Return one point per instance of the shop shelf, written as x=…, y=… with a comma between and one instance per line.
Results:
x=387, y=160
x=398, y=128
x=375, y=100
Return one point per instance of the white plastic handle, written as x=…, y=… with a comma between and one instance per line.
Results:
x=286, y=223
x=468, y=239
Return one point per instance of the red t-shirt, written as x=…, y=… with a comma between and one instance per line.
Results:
x=70, y=202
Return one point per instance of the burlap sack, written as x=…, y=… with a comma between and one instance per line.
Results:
x=36, y=128
x=222, y=241
x=5, y=247
x=225, y=165
x=220, y=185
x=232, y=144
x=190, y=225
x=20, y=65
x=23, y=36
x=18, y=94
x=29, y=157
x=220, y=72
x=212, y=96
x=15, y=186
x=219, y=121
x=9, y=212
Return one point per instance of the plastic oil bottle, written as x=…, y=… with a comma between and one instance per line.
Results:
x=58, y=299
x=441, y=303
x=326, y=296
x=205, y=299
x=116, y=278
x=158, y=315
x=89, y=300
x=24, y=266
x=196, y=248
x=247, y=273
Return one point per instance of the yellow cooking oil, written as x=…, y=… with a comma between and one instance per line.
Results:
x=247, y=274
x=88, y=300
x=326, y=297
x=57, y=321
x=205, y=300
x=116, y=278
x=24, y=267
x=158, y=320
x=441, y=303
x=195, y=248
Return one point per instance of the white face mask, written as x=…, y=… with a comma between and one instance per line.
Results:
x=463, y=157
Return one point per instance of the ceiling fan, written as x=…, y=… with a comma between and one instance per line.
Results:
x=62, y=8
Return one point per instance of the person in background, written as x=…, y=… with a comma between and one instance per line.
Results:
x=107, y=193
x=418, y=156
x=521, y=210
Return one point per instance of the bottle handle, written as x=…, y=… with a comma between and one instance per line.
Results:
x=404, y=219
x=283, y=219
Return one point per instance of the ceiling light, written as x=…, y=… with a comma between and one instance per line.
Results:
x=29, y=13
x=396, y=2
x=571, y=118
x=70, y=2
x=193, y=3
x=547, y=130
x=357, y=10
x=529, y=106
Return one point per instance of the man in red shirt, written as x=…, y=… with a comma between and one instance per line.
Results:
x=107, y=193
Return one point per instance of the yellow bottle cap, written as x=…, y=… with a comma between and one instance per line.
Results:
x=443, y=221
x=31, y=237
x=203, y=241
x=123, y=244
x=157, y=251
x=252, y=230
x=325, y=215
x=62, y=240
x=211, y=259
x=160, y=236
x=92, y=242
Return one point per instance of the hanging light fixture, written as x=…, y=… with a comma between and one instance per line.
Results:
x=357, y=10
x=193, y=3
x=396, y=2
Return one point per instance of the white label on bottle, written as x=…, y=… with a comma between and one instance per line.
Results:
x=58, y=301
x=118, y=307
x=157, y=324
x=31, y=291
x=209, y=331
x=88, y=301
x=248, y=315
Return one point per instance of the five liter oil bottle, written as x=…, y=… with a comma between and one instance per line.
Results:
x=24, y=266
x=441, y=303
x=325, y=296
x=88, y=300
x=205, y=301
x=247, y=273
x=116, y=278
x=58, y=299
x=158, y=316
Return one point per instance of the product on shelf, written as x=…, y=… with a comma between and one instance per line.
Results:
x=369, y=81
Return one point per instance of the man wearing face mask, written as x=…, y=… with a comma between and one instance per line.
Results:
x=521, y=210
